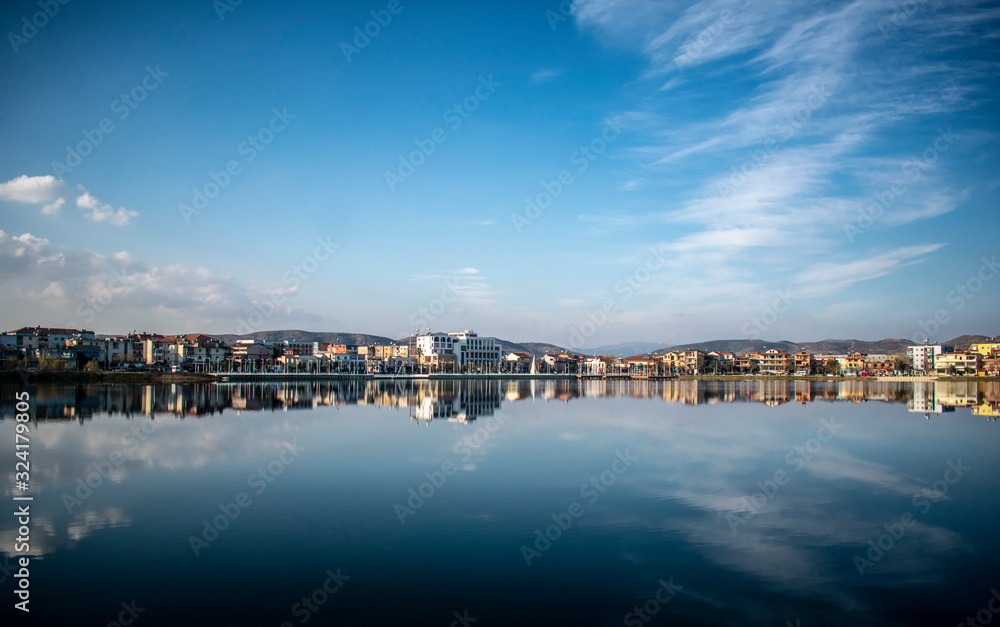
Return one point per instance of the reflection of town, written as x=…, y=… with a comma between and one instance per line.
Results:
x=465, y=400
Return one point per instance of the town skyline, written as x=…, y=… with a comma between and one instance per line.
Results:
x=629, y=171
x=634, y=347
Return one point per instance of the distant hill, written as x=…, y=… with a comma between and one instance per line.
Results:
x=330, y=337
x=889, y=346
x=964, y=341
x=334, y=337
x=627, y=349
x=532, y=348
x=734, y=346
x=886, y=347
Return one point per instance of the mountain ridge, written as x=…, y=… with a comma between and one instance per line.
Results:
x=537, y=349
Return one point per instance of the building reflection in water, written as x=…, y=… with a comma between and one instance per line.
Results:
x=465, y=400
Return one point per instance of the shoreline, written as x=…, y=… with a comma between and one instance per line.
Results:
x=151, y=378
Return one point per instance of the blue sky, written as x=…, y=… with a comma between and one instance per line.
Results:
x=717, y=169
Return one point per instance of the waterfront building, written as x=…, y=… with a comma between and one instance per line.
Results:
x=923, y=356
x=958, y=362
x=693, y=361
x=854, y=364
x=595, y=366
x=517, y=362
x=34, y=338
x=986, y=349
x=672, y=362
x=465, y=349
x=774, y=361
x=247, y=351
x=804, y=363
x=192, y=349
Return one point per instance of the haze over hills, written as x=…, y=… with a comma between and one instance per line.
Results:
x=330, y=337
x=887, y=346
x=627, y=349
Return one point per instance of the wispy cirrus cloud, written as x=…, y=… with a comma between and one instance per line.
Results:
x=544, y=76
x=775, y=123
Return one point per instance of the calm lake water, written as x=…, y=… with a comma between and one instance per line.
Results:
x=513, y=503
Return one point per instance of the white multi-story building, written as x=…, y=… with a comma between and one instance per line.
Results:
x=922, y=356
x=464, y=349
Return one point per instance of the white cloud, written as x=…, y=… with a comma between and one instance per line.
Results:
x=32, y=190
x=69, y=287
x=796, y=143
x=99, y=212
x=54, y=207
x=52, y=193
x=828, y=277
x=545, y=76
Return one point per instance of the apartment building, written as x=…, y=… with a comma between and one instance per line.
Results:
x=465, y=349
x=988, y=349
x=804, y=363
x=251, y=351
x=673, y=363
x=958, y=362
x=880, y=365
x=693, y=360
x=748, y=363
x=386, y=353
x=773, y=361
x=923, y=356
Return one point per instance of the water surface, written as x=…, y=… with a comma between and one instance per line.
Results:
x=416, y=503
